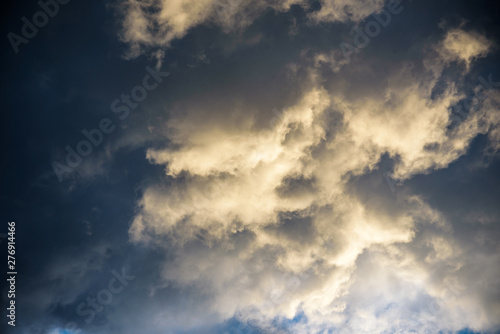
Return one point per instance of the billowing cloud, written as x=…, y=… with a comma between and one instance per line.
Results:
x=264, y=223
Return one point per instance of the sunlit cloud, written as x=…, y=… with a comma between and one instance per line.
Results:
x=251, y=207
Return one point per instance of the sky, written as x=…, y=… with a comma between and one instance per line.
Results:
x=251, y=166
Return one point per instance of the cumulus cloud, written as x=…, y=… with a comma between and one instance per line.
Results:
x=263, y=223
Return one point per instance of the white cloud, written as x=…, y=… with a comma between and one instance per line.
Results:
x=261, y=218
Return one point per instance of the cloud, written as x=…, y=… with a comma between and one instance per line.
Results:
x=464, y=46
x=149, y=24
x=154, y=24
x=262, y=221
x=346, y=10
